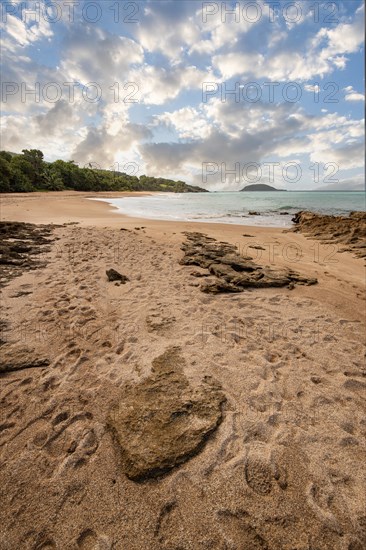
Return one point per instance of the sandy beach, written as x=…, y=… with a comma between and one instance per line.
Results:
x=152, y=415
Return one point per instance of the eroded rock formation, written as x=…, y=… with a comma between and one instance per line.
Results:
x=232, y=272
x=347, y=231
x=21, y=247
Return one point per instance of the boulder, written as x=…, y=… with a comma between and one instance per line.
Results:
x=164, y=420
x=113, y=275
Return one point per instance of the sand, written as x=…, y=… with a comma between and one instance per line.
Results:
x=274, y=460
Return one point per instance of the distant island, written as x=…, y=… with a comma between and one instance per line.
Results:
x=28, y=171
x=260, y=187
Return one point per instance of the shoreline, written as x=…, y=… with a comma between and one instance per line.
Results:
x=282, y=247
x=100, y=211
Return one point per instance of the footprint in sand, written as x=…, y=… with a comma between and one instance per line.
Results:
x=89, y=540
x=258, y=475
x=159, y=323
x=47, y=544
x=236, y=525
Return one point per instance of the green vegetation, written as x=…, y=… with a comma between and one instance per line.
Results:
x=29, y=172
x=260, y=187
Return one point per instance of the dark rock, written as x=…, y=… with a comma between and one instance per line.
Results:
x=233, y=272
x=113, y=275
x=218, y=287
x=18, y=357
x=163, y=421
x=198, y=274
x=21, y=245
x=253, y=213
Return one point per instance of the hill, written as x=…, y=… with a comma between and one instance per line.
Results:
x=260, y=187
x=27, y=172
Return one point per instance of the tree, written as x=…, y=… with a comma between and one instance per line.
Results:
x=29, y=172
x=6, y=156
x=35, y=158
x=5, y=175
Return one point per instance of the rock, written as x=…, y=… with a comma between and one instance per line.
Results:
x=22, y=246
x=113, y=275
x=198, y=274
x=218, y=287
x=233, y=272
x=253, y=213
x=347, y=231
x=163, y=421
x=17, y=358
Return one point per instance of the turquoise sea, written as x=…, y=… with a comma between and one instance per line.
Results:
x=273, y=209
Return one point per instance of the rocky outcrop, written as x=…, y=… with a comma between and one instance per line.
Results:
x=347, y=231
x=21, y=247
x=164, y=420
x=232, y=272
x=18, y=357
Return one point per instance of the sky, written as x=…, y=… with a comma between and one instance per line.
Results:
x=217, y=94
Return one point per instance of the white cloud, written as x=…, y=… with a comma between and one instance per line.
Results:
x=101, y=148
x=352, y=95
x=93, y=55
x=157, y=85
x=319, y=56
x=233, y=133
x=167, y=27
x=19, y=33
x=345, y=157
x=315, y=88
x=234, y=64
x=55, y=141
x=188, y=122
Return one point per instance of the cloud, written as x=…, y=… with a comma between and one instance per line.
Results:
x=188, y=122
x=100, y=147
x=59, y=117
x=230, y=133
x=25, y=132
x=21, y=32
x=234, y=64
x=157, y=85
x=290, y=59
x=167, y=27
x=350, y=155
x=162, y=62
x=352, y=95
x=91, y=54
x=356, y=183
